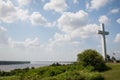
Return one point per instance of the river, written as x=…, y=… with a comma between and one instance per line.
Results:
x=34, y=64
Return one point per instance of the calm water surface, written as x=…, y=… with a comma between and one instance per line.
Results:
x=32, y=64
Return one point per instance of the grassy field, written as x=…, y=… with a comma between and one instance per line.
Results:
x=113, y=73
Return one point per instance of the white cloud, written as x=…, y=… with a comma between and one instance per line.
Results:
x=75, y=43
x=116, y=10
x=61, y=37
x=70, y=21
x=37, y=19
x=3, y=36
x=56, y=5
x=74, y=25
x=23, y=2
x=75, y=28
x=96, y=4
x=9, y=13
x=87, y=31
x=117, y=38
x=118, y=20
x=75, y=36
x=104, y=19
x=71, y=42
x=28, y=43
x=75, y=1
x=22, y=14
x=34, y=42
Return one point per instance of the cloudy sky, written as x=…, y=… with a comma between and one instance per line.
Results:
x=56, y=30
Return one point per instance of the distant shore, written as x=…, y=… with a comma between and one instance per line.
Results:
x=13, y=62
x=11, y=66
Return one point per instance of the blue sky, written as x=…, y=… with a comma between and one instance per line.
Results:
x=57, y=30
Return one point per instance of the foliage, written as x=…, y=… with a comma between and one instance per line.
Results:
x=76, y=75
x=63, y=72
x=56, y=64
x=92, y=58
x=68, y=72
x=113, y=59
x=108, y=58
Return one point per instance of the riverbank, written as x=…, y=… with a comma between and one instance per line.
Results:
x=34, y=64
x=64, y=71
x=55, y=71
x=13, y=62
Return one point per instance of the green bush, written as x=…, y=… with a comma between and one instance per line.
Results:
x=77, y=75
x=92, y=58
x=68, y=75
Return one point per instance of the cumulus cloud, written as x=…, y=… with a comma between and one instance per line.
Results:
x=9, y=13
x=58, y=40
x=96, y=4
x=37, y=19
x=70, y=21
x=114, y=11
x=117, y=38
x=3, y=36
x=118, y=20
x=23, y=2
x=56, y=5
x=104, y=19
x=22, y=14
x=74, y=37
x=75, y=27
x=85, y=32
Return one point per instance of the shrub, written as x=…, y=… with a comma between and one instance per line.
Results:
x=93, y=76
x=92, y=58
x=68, y=75
x=56, y=64
x=77, y=75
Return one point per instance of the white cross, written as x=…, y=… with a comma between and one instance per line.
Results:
x=103, y=33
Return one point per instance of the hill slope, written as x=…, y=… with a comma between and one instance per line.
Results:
x=113, y=73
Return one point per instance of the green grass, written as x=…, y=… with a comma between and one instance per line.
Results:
x=113, y=73
x=62, y=72
x=10, y=78
x=68, y=72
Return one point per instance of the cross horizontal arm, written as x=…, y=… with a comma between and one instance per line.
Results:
x=102, y=32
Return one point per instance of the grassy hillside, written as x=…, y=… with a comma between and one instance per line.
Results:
x=113, y=73
x=63, y=72
x=54, y=72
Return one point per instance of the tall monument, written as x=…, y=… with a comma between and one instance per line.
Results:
x=103, y=33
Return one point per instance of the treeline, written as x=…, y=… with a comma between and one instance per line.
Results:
x=13, y=62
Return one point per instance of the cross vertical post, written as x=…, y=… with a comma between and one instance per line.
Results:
x=103, y=33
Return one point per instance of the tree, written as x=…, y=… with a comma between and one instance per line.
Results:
x=113, y=59
x=91, y=57
x=108, y=58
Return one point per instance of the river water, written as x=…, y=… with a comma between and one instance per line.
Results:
x=32, y=64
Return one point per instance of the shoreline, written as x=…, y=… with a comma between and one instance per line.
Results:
x=13, y=62
x=34, y=64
